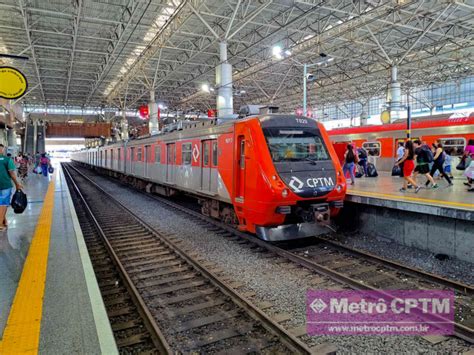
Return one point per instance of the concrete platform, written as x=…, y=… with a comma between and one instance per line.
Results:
x=49, y=300
x=448, y=201
x=437, y=220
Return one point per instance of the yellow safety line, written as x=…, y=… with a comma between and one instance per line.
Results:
x=22, y=332
x=409, y=198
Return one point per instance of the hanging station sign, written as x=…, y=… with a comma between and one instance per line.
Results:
x=143, y=111
x=385, y=117
x=13, y=83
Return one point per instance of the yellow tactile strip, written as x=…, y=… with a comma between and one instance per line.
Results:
x=22, y=332
x=409, y=198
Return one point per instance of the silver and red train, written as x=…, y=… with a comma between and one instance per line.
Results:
x=381, y=141
x=277, y=176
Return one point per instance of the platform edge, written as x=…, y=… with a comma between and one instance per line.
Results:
x=103, y=328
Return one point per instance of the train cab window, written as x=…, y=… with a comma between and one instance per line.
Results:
x=139, y=154
x=295, y=145
x=214, y=153
x=186, y=153
x=372, y=148
x=157, y=154
x=454, y=145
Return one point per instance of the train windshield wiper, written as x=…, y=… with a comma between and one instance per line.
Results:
x=311, y=160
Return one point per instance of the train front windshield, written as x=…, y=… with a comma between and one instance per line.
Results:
x=295, y=145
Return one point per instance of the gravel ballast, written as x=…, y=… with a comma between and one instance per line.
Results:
x=284, y=287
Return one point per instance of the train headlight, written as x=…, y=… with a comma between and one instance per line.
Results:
x=284, y=193
x=339, y=188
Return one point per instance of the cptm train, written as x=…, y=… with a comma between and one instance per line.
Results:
x=277, y=176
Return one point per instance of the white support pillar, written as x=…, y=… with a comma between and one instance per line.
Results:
x=225, y=106
x=153, y=114
x=35, y=136
x=394, y=97
x=124, y=126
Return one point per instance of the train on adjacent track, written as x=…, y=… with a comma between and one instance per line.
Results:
x=381, y=141
x=277, y=176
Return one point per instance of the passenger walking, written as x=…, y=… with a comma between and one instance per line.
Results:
x=22, y=166
x=408, y=166
x=448, y=160
x=469, y=164
x=45, y=163
x=438, y=161
x=7, y=175
x=349, y=163
x=423, y=154
x=400, y=155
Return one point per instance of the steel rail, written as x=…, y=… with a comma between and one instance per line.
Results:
x=461, y=331
x=157, y=336
x=291, y=341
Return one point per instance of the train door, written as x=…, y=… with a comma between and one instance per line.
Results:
x=206, y=165
x=240, y=187
x=147, y=157
x=170, y=162
x=214, y=169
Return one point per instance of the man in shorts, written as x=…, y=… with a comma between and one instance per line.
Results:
x=7, y=175
x=422, y=163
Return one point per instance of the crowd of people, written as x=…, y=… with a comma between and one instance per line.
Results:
x=39, y=164
x=416, y=158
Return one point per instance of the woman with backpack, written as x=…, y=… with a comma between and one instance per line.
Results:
x=349, y=162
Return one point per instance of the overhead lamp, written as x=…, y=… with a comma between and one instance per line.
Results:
x=243, y=91
x=205, y=87
x=276, y=52
x=288, y=52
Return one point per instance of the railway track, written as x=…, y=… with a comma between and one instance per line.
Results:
x=186, y=307
x=350, y=267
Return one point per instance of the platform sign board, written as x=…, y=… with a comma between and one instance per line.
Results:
x=13, y=83
x=380, y=312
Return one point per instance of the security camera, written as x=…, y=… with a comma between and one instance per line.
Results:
x=310, y=77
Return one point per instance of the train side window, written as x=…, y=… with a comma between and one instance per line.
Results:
x=454, y=145
x=205, y=157
x=119, y=157
x=186, y=153
x=242, y=154
x=105, y=158
x=132, y=154
x=139, y=154
x=372, y=148
x=111, y=157
x=157, y=154
x=214, y=153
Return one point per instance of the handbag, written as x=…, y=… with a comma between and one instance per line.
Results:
x=50, y=170
x=19, y=201
x=396, y=170
x=461, y=165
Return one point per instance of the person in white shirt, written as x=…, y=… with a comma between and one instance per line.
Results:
x=400, y=154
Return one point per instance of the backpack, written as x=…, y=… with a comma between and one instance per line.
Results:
x=427, y=154
x=362, y=153
x=371, y=170
x=19, y=201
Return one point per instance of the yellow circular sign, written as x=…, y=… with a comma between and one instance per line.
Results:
x=13, y=83
x=385, y=116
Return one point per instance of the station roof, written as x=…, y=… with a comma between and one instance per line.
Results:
x=104, y=52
